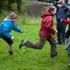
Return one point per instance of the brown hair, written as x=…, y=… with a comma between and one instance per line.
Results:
x=12, y=15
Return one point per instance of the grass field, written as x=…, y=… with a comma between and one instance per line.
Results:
x=31, y=59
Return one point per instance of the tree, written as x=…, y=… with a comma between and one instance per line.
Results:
x=2, y=4
x=18, y=2
x=19, y=6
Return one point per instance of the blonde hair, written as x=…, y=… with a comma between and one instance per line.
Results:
x=12, y=15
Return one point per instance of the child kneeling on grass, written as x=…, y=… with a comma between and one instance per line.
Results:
x=6, y=26
x=46, y=32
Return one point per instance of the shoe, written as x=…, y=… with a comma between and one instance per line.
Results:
x=10, y=52
x=23, y=42
x=54, y=55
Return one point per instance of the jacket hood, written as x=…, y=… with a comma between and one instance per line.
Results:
x=47, y=14
x=7, y=19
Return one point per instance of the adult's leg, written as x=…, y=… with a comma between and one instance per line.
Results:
x=59, y=31
x=63, y=33
x=59, y=36
x=52, y=42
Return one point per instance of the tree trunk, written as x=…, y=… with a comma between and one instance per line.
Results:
x=9, y=4
x=1, y=5
x=19, y=6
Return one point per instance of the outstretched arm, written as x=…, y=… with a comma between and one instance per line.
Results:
x=66, y=21
x=16, y=28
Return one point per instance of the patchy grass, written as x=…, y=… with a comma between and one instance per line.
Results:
x=31, y=59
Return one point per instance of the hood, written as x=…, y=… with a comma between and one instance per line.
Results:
x=47, y=14
x=7, y=19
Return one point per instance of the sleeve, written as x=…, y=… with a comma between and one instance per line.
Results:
x=48, y=22
x=66, y=21
x=16, y=28
x=56, y=4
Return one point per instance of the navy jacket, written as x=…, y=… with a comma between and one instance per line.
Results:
x=61, y=11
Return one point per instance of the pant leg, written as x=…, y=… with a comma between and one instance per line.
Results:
x=63, y=33
x=52, y=42
x=38, y=45
x=59, y=31
x=7, y=39
x=59, y=36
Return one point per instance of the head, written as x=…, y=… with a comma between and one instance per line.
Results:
x=12, y=16
x=49, y=9
x=52, y=9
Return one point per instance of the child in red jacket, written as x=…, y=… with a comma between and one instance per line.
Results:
x=46, y=32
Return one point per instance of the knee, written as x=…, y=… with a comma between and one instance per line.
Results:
x=39, y=47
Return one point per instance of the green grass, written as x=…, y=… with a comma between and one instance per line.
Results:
x=31, y=59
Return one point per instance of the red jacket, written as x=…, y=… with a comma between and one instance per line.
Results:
x=47, y=25
x=66, y=21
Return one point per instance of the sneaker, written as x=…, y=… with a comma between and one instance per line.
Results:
x=10, y=52
x=23, y=42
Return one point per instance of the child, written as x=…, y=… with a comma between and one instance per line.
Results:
x=46, y=32
x=6, y=26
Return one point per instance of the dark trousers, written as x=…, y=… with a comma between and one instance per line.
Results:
x=68, y=41
x=67, y=33
x=40, y=44
x=6, y=38
x=61, y=27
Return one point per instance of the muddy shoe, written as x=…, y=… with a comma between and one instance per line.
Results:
x=10, y=52
x=23, y=42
